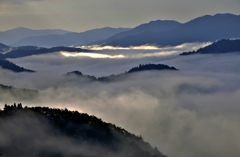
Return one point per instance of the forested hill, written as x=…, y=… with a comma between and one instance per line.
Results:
x=222, y=46
x=147, y=67
x=48, y=132
x=5, y=64
x=122, y=76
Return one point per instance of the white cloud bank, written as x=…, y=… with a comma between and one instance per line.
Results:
x=192, y=112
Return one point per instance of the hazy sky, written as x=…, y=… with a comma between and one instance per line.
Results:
x=80, y=15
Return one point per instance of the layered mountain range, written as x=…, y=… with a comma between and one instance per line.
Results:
x=159, y=32
x=54, y=38
x=202, y=29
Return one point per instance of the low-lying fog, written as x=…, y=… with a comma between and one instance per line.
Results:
x=186, y=113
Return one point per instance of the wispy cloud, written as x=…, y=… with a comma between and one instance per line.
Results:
x=91, y=55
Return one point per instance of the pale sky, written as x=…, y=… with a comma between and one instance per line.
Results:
x=81, y=15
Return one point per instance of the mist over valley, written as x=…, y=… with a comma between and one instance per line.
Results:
x=162, y=88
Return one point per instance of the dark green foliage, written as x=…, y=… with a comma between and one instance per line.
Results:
x=144, y=67
x=148, y=67
x=78, y=73
x=222, y=46
x=83, y=128
x=5, y=64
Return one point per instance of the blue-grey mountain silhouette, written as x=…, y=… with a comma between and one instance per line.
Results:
x=70, y=39
x=13, y=35
x=222, y=46
x=202, y=29
x=5, y=64
x=153, y=26
x=3, y=48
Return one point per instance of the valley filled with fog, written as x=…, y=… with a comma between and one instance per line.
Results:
x=185, y=113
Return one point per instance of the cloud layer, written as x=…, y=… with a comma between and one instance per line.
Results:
x=193, y=112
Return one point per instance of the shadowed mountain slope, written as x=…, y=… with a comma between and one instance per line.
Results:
x=202, y=29
x=3, y=48
x=153, y=26
x=222, y=46
x=5, y=64
x=43, y=131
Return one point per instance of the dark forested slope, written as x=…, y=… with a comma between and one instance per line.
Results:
x=119, y=77
x=5, y=64
x=222, y=46
x=47, y=132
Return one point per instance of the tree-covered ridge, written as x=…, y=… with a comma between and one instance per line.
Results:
x=222, y=46
x=5, y=64
x=140, y=68
x=148, y=67
x=80, y=128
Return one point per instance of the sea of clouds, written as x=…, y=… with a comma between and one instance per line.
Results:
x=191, y=112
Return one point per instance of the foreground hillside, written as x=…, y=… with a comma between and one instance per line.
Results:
x=42, y=131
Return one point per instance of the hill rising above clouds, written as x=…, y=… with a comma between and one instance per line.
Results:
x=5, y=64
x=222, y=46
x=119, y=77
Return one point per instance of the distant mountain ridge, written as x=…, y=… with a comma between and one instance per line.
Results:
x=160, y=32
x=17, y=52
x=13, y=35
x=202, y=29
x=222, y=46
x=70, y=39
x=152, y=26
